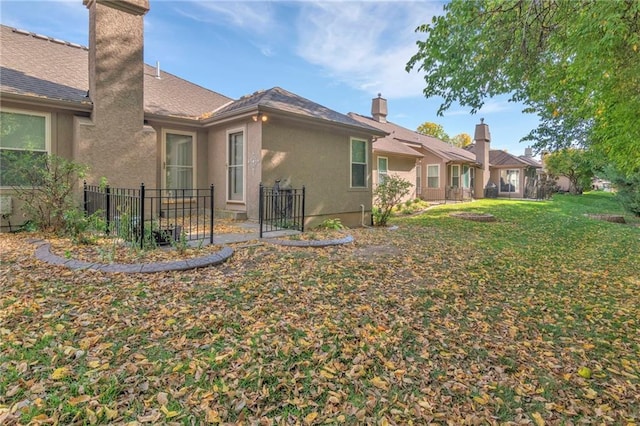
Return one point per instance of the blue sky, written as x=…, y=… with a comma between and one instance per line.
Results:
x=340, y=54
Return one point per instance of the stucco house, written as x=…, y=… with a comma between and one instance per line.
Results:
x=513, y=176
x=438, y=170
x=130, y=123
x=441, y=171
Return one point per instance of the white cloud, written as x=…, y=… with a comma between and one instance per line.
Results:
x=365, y=44
x=250, y=16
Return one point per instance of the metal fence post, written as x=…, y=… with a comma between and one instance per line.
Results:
x=107, y=194
x=141, y=219
x=303, y=197
x=260, y=208
x=85, y=201
x=211, y=219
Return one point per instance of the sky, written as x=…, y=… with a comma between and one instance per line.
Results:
x=338, y=53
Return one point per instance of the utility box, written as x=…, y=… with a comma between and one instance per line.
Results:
x=6, y=205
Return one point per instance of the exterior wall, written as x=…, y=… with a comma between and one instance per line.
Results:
x=217, y=170
x=403, y=167
x=319, y=159
x=433, y=194
x=60, y=144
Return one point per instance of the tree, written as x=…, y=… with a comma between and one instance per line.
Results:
x=432, y=129
x=574, y=63
x=461, y=140
x=386, y=195
x=574, y=164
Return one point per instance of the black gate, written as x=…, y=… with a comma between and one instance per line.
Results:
x=281, y=208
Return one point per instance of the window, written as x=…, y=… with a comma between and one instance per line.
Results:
x=358, y=163
x=179, y=160
x=455, y=176
x=383, y=169
x=418, y=179
x=509, y=180
x=433, y=176
x=25, y=139
x=235, y=168
x=466, y=177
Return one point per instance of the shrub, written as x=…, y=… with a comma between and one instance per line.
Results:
x=387, y=195
x=334, y=224
x=628, y=190
x=46, y=189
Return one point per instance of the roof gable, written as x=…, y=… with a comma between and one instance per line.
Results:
x=398, y=134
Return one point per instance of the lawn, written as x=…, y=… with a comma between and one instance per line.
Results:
x=533, y=319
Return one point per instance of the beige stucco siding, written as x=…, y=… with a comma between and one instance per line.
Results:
x=319, y=159
x=433, y=193
x=403, y=167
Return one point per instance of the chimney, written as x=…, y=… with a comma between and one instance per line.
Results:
x=379, y=109
x=115, y=142
x=528, y=152
x=116, y=32
x=482, y=138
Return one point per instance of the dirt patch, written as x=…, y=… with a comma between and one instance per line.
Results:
x=476, y=217
x=614, y=218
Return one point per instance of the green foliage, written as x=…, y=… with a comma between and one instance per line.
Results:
x=46, y=189
x=386, y=195
x=83, y=229
x=433, y=129
x=628, y=189
x=574, y=164
x=574, y=63
x=335, y=224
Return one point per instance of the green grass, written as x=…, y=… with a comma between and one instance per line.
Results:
x=440, y=320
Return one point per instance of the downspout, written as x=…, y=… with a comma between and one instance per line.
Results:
x=362, y=220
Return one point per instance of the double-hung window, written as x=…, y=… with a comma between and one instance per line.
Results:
x=235, y=166
x=433, y=176
x=24, y=144
x=358, y=163
x=455, y=176
x=383, y=169
x=509, y=180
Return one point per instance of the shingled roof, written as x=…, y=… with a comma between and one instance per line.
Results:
x=398, y=135
x=42, y=67
x=280, y=99
x=501, y=158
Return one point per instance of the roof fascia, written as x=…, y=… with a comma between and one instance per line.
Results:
x=48, y=102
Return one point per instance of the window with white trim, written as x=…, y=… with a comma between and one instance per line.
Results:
x=235, y=166
x=509, y=180
x=25, y=140
x=418, y=179
x=358, y=163
x=466, y=176
x=180, y=154
x=455, y=176
x=383, y=169
x=433, y=175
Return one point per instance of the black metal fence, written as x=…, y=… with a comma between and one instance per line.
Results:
x=153, y=216
x=281, y=209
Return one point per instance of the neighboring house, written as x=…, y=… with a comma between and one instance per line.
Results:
x=442, y=171
x=133, y=123
x=437, y=169
x=514, y=177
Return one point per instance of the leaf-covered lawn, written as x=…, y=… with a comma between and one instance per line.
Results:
x=531, y=319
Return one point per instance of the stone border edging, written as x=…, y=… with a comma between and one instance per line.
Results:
x=475, y=217
x=43, y=253
x=311, y=243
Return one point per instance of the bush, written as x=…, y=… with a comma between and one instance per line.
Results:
x=628, y=190
x=334, y=224
x=46, y=189
x=387, y=195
